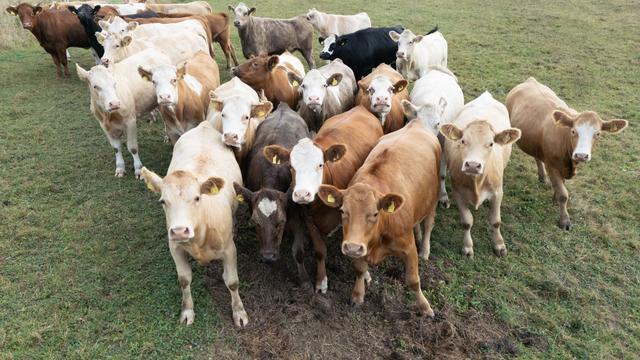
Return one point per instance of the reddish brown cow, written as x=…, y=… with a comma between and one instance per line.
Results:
x=56, y=30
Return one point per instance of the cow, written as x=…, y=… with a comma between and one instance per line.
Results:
x=395, y=189
x=108, y=11
x=198, y=201
x=272, y=36
x=183, y=92
x=86, y=14
x=478, y=147
x=326, y=91
x=266, y=191
x=120, y=9
x=329, y=24
x=55, y=30
x=416, y=54
x=557, y=136
x=436, y=99
x=270, y=74
x=236, y=110
x=382, y=93
x=192, y=8
x=332, y=157
x=362, y=50
x=118, y=96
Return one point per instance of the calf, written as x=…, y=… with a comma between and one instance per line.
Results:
x=198, y=202
x=86, y=14
x=332, y=157
x=55, y=30
x=329, y=24
x=118, y=96
x=436, y=99
x=394, y=189
x=270, y=74
x=183, y=92
x=416, y=54
x=327, y=91
x=267, y=187
x=478, y=147
x=362, y=50
x=382, y=92
x=556, y=135
x=273, y=36
x=192, y=8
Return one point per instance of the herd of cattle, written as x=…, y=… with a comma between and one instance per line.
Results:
x=344, y=144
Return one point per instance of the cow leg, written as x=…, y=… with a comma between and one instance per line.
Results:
x=230, y=277
x=115, y=142
x=417, y=232
x=62, y=55
x=561, y=196
x=443, y=198
x=467, y=222
x=184, y=278
x=56, y=61
x=297, y=248
x=362, y=275
x=425, y=244
x=232, y=50
x=308, y=55
x=320, y=247
x=132, y=145
x=499, y=248
x=412, y=277
x=542, y=174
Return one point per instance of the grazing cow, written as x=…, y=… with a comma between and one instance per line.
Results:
x=236, y=110
x=556, y=135
x=270, y=73
x=478, y=147
x=198, y=202
x=393, y=190
x=382, y=93
x=55, y=30
x=267, y=186
x=191, y=8
x=273, y=36
x=329, y=24
x=416, y=54
x=86, y=14
x=183, y=92
x=362, y=50
x=436, y=99
x=118, y=96
x=327, y=91
x=332, y=157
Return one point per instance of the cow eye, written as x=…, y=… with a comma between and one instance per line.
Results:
x=463, y=142
x=320, y=166
x=246, y=118
x=96, y=87
x=117, y=46
x=162, y=202
x=197, y=198
x=573, y=132
x=173, y=81
x=490, y=144
x=597, y=134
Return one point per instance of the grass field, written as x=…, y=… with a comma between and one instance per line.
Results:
x=85, y=271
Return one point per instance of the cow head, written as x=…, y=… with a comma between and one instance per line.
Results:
x=330, y=45
x=26, y=13
x=363, y=209
x=381, y=91
x=430, y=115
x=236, y=113
x=312, y=16
x=115, y=47
x=477, y=142
x=307, y=162
x=257, y=69
x=165, y=80
x=85, y=13
x=585, y=129
x=181, y=195
x=102, y=87
x=314, y=87
x=117, y=26
x=242, y=13
x=406, y=41
x=268, y=209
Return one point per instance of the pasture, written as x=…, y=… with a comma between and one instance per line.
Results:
x=85, y=270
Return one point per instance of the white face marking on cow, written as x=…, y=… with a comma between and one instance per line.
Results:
x=180, y=200
x=406, y=44
x=431, y=117
x=102, y=86
x=308, y=162
x=193, y=84
x=380, y=93
x=115, y=48
x=164, y=80
x=585, y=132
x=241, y=10
x=327, y=43
x=116, y=26
x=314, y=88
x=267, y=207
x=236, y=113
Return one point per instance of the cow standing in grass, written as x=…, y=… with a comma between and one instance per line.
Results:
x=417, y=53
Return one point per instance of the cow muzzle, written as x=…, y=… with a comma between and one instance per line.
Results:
x=473, y=168
x=401, y=55
x=236, y=23
x=269, y=255
x=27, y=26
x=231, y=139
x=354, y=250
x=114, y=105
x=325, y=55
x=581, y=157
x=302, y=196
x=165, y=99
x=106, y=62
x=180, y=233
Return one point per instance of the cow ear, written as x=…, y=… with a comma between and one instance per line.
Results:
x=451, y=132
x=334, y=80
x=272, y=62
x=182, y=71
x=390, y=203
x=144, y=73
x=362, y=85
x=335, y=152
x=320, y=39
x=614, y=126
x=153, y=181
x=562, y=119
x=231, y=8
x=294, y=79
x=72, y=9
x=82, y=73
x=251, y=11
x=276, y=154
x=442, y=105
x=100, y=37
x=261, y=110
x=394, y=36
x=409, y=110
x=399, y=86
x=508, y=136
x=212, y=186
x=242, y=193
x=417, y=39
x=132, y=25
x=330, y=196
x=95, y=10
x=11, y=10
x=37, y=9
x=126, y=40
x=214, y=103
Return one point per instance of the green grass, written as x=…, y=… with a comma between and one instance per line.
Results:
x=84, y=267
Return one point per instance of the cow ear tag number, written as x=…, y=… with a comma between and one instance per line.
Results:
x=331, y=199
x=275, y=160
x=214, y=190
x=391, y=208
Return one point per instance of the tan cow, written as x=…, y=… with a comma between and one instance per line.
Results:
x=557, y=136
x=382, y=92
x=478, y=147
x=396, y=188
x=199, y=203
x=193, y=8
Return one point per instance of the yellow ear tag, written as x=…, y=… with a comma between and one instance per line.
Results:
x=391, y=208
x=150, y=187
x=240, y=198
x=275, y=160
x=261, y=113
x=334, y=82
x=214, y=190
x=331, y=199
x=295, y=83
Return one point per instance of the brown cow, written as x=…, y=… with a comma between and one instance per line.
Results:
x=382, y=92
x=56, y=30
x=332, y=157
x=396, y=188
x=557, y=136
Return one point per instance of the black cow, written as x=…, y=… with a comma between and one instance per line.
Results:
x=362, y=50
x=86, y=15
x=267, y=187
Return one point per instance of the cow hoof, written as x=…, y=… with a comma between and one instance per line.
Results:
x=367, y=278
x=355, y=303
x=467, y=252
x=187, y=316
x=444, y=202
x=240, y=318
x=565, y=225
x=500, y=251
x=424, y=257
x=322, y=286
x=120, y=173
x=138, y=174
x=426, y=311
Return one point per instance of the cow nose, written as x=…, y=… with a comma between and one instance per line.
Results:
x=314, y=98
x=353, y=250
x=179, y=233
x=382, y=100
x=164, y=97
x=472, y=166
x=230, y=138
x=114, y=105
x=400, y=54
x=105, y=61
x=269, y=255
x=302, y=196
x=236, y=23
x=580, y=157
x=235, y=71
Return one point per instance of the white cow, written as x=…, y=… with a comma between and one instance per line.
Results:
x=118, y=26
x=118, y=96
x=198, y=199
x=436, y=99
x=329, y=24
x=417, y=53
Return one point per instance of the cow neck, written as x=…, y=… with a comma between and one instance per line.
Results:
x=168, y=113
